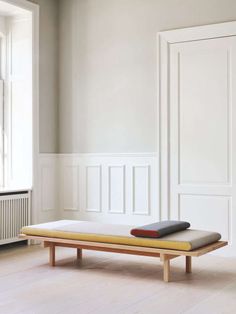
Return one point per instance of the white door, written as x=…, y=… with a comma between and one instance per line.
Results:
x=202, y=133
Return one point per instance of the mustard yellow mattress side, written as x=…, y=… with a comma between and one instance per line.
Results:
x=133, y=241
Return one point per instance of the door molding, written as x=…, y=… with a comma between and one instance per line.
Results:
x=165, y=39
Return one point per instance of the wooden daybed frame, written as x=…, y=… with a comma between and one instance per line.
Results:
x=165, y=254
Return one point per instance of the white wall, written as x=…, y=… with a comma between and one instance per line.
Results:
x=108, y=68
x=48, y=76
x=111, y=47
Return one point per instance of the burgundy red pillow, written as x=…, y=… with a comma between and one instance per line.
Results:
x=160, y=229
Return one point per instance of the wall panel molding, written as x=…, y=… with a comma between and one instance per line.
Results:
x=93, y=181
x=141, y=189
x=48, y=188
x=70, y=187
x=117, y=188
x=207, y=212
x=48, y=202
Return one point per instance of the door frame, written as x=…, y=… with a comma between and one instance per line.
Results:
x=34, y=9
x=165, y=39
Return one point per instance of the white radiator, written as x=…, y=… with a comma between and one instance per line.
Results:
x=15, y=211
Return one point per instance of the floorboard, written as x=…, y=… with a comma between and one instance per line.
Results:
x=112, y=283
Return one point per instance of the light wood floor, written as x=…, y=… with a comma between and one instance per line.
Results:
x=112, y=283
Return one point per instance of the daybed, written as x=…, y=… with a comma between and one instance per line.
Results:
x=117, y=238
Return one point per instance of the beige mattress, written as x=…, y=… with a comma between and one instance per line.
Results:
x=186, y=240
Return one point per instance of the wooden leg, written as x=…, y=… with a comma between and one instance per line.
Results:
x=188, y=264
x=52, y=254
x=166, y=269
x=79, y=253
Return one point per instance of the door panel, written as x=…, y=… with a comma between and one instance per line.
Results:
x=202, y=84
x=207, y=212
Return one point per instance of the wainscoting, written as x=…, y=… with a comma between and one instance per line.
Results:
x=48, y=206
x=118, y=187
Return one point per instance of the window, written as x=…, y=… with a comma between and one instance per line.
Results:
x=16, y=103
x=2, y=140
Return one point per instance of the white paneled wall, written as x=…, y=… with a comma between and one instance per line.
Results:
x=118, y=188
x=47, y=200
